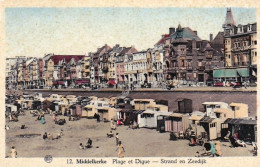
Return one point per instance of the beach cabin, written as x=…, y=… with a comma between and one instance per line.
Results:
x=184, y=105
x=91, y=109
x=194, y=122
x=209, y=107
x=245, y=128
x=211, y=126
x=9, y=108
x=149, y=119
x=76, y=110
x=177, y=122
x=106, y=113
x=113, y=101
x=240, y=110
x=54, y=97
x=46, y=105
x=125, y=112
x=72, y=99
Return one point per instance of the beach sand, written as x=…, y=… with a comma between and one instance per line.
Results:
x=137, y=143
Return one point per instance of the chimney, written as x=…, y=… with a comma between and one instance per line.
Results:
x=210, y=37
x=195, y=32
x=193, y=44
x=171, y=30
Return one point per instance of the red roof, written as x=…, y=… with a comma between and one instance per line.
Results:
x=57, y=58
x=162, y=40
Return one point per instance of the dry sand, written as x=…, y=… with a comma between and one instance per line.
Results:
x=137, y=143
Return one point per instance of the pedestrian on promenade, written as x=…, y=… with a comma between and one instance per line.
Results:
x=120, y=149
x=245, y=83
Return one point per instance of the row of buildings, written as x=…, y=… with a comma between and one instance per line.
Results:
x=179, y=55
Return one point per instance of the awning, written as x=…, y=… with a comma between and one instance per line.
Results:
x=82, y=82
x=221, y=110
x=207, y=120
x=240, y=121
x=228, y=73
x=178, y=115
x=112, y=82
x=138, y=111
x=61, y=83
x=54, y=83
x=58, y=82
x=195, y=117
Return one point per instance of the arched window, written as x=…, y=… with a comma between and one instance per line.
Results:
x=167, y=64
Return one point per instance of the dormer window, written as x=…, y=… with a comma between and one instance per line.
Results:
x=249, y=27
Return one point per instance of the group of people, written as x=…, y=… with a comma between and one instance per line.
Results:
x=210, y=148
x=88, y=145
x=119, y=145
x=42, y=118
x=49, y=136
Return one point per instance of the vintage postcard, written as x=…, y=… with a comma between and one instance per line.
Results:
x=129, y=83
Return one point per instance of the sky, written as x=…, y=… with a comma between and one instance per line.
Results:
x=35, y=32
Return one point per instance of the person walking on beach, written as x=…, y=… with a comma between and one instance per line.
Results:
x=120, y=149
x=43, y=119
x=218, y=148
x=13, y=152
x=117, y=139
x=54, y=117
x=212, y=148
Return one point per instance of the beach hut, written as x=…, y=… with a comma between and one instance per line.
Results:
x=148, y=118
x=177, y=122
x=184, y=105
x=76, y=110
x=46, y=104
x=9, y=108
x=89, y=111
x=212, y=126
x=125, y=112
x=106, y=113
x=245, y=129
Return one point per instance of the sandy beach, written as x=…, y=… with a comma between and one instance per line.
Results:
x=137, y=143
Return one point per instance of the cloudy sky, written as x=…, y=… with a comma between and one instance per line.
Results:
x=38, y=31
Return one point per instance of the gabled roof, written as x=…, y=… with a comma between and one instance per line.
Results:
x=163, y=39
x=128, y=50
x=66, y=58
x=29, y=61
